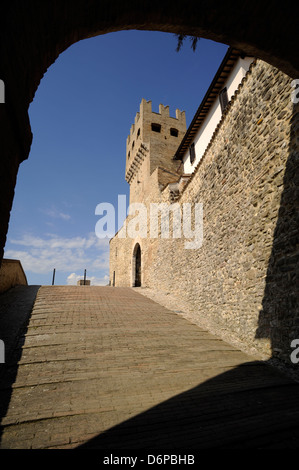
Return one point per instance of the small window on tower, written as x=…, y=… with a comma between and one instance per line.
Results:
x=174, y=132
x=133, y=145
x=192, y=153
x=223, y=98
x=156, y=127
x=128, y=155
x=138, y=133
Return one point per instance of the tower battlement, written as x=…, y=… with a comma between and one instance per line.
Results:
x=150, y=130
x=146, y=111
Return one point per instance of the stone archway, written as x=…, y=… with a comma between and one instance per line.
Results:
x=34, y=33
x=136, y=266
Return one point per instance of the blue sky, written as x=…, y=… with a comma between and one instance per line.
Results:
x=80, y=118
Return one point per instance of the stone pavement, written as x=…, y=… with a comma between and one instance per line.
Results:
x=107, y=368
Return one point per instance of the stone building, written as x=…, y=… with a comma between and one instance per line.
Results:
x=237, y=159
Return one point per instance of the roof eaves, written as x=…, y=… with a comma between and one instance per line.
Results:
x=222, y=73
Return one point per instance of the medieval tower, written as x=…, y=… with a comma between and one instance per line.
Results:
x=150, y=169
x=151, y=145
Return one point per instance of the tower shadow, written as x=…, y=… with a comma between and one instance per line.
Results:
x=279, y=318
x=253, y=406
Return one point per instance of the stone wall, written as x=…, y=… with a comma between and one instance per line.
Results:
x=241, y=282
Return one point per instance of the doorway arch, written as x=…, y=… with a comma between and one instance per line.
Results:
x=136, y=266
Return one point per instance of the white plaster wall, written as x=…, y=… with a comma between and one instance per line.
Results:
x=238, y=72
x=203, y=137
x=205, y=133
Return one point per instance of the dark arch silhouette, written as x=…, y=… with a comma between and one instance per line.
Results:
x=34, y=33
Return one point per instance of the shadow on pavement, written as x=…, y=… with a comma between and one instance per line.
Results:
x=15, y=311
x=252, y=406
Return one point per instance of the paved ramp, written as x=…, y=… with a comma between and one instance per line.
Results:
x=107, y=368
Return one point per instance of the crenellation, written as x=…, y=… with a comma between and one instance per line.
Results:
x=164, y=110
x=158, y=131
x=180, y=115
x=145, y=106
x=137, y=117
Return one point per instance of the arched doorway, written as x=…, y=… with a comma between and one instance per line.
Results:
x=137, y=266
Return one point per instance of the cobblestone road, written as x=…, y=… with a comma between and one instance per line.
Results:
x=107, y=367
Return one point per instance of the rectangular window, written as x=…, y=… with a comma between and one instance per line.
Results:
x=192, y=153
x=156, y=127
x=223, y=98
x=174, y=132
